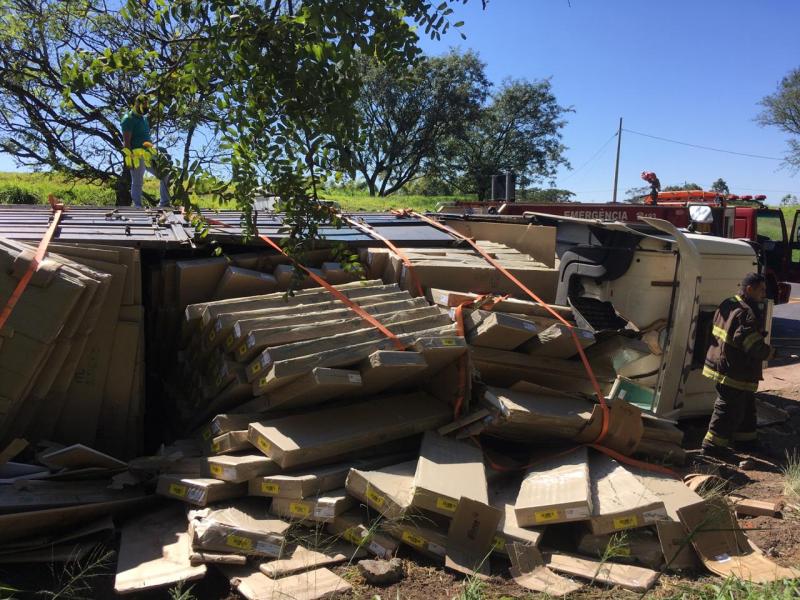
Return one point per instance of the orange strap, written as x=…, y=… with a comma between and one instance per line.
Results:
x=33, y=266
x=370, y=231
x=336, y=293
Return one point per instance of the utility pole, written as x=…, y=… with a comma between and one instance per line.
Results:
x=616, y=165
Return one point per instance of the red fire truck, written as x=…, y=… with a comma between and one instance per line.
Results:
x=744, y=217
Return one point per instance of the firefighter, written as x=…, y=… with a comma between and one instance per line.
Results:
x=734, y=362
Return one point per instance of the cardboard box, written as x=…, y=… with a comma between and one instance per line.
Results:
x=243, y=527
x=241, y=468
x=724, y=548
x=351, y=527
x=557, y=342
x=423, y=536
x=238, y=282
x=229, y=422
x=448, y=470
x=311, y=585
x=637, y=579
x=310, y=482
x=498, y=330
x=471, y=537
x=639, y=546
x=154, y=551
x=198, y=491
x=619, y=500
x=322, y=508
x=300, y=558
x=503, y=497
x=232, y=441
x=387, y=490
x=557, y=490
x=328, y=433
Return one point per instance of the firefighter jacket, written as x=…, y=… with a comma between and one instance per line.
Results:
x=737, y=346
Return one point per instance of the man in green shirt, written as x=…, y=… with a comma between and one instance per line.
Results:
x=138, y=150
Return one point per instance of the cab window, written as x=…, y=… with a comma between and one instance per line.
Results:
x=770, y=226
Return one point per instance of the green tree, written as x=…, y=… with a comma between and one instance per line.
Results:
x=48, y=122
x=782, y=110
x=406, y=113
x=720, y=186
x=636, y=195
x=789, y=200
x=545, y=195
x=286, y=77
x=684, y=187
x=519, y=130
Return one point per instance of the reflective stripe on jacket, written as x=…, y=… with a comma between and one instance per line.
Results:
x=737, y=347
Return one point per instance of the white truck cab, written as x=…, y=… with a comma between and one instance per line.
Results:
x=660, y=284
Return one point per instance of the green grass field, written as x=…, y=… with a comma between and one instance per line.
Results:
x=39, y=185
x=16, y=186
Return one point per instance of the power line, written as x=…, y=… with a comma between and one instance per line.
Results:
x=663, y=139
x=595, y=155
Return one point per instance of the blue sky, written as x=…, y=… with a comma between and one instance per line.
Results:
x=692, y=71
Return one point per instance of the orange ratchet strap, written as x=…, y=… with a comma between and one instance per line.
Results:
x=336, y=293
x=33, y=266
x=370, y=231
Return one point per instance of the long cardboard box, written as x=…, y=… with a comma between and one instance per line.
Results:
x=447, y=471
x=326, y=434
x=242, y=527
x=557, y=490
x=322, y=508
x=387, y=490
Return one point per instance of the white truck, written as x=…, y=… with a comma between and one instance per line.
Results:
x=660, y=285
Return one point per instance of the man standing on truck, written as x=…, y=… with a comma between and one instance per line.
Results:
x=138, y=150
x=734, y=361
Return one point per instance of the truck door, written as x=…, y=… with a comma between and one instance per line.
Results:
x=794, y=250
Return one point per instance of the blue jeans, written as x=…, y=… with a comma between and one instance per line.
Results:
x=137, y=181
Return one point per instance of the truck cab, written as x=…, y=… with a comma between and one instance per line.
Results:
x=661, y=286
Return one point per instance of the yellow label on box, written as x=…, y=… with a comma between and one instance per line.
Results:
x=243, y=351
x=263, y=444
x=498, y=543
x=448, y=342
x=230, y=340
x=239, y=541
x=216, y=470
x=269, y=488
x=207, y=433
x=353, y=535
x=446, y=504
x=300, y=509
x=623, y=551
x=413, y=539
x=177, y=490
x=543, y=516
x=216, y=446
x=255, y=367
x=376, y=498
x=626, y=522
x=212, y=336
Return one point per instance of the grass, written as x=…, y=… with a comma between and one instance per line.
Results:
x=791, y=475
x=39, y=185
x=737, y=589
